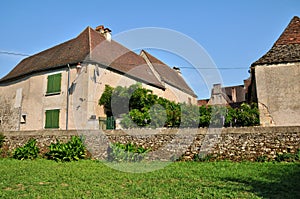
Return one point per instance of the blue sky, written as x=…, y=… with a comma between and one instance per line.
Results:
x=233, y=33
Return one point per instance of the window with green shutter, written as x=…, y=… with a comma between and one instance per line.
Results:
x=54, y=84
x=52, y=118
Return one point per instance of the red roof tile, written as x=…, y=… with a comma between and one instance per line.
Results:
x=291, y=35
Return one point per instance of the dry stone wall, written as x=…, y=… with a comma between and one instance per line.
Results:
x=168, y=144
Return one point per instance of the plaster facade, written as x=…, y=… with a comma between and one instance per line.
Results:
x=278, y=94
x=86, y=90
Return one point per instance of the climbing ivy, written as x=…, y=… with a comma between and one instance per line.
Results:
x=139, y=107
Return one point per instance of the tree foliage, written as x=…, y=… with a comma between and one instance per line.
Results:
x=139, y=107
x=105, y=99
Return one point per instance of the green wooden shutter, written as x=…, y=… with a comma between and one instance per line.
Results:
x=110, y=122
x=52, y=118
x=57, y=82
x=54, y=83
x=49, y=84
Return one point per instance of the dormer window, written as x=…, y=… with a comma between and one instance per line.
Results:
x=54, y=84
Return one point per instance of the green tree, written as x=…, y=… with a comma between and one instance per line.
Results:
x=218, y=115
x=105, y=98
x=140, y=107
x=204, y=116
x=189, y=116
x=245, y=115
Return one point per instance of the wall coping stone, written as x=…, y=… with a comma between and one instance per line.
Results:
x=162, y=131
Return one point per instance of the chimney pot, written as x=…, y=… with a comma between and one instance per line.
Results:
x=106, y=32
x=177, y=69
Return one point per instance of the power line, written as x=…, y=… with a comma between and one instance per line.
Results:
x=14, y=53
x=216, y=68
x=183, y=67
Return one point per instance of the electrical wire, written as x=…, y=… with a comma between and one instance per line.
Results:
x=183, y=67
x=14, y=53
x=227, y=68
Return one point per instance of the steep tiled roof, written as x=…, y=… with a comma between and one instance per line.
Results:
x=90, y=45
x=72, y=51
x=286, y=49
x=169, y=75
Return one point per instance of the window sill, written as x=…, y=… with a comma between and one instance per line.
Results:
x=50, y=94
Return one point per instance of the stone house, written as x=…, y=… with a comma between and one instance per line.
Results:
x=275, y=80
x=232, y=96
x=60, y=87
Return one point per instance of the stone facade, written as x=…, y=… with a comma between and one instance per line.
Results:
x=233, y=96
x=168, y=144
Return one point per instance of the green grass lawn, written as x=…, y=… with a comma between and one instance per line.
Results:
x=91, y=179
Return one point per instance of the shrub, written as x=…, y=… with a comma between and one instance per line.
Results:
x=297, y=155
x=262, y=158
x=118, y=152
x=288, y=157
x=245, y=115
x=203, y=157
x=2, y=137
x=204, y=116
x=74, y=149
x=28, y=151
x=141, y=108
x=189, y=116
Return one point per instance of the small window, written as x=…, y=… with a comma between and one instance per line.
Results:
x=52, y=118
x=54, y=84
x=23, y=119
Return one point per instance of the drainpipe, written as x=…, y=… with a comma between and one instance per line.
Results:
x=68, y=96
x=20, y=116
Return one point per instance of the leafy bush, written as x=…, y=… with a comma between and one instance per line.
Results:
x=203, y=157
x=28, y=151
x=189, y=116
x=127, y=122
x=204, y=116
x=2, y=137
x=118, y=152
x=286, y=157
x=262, y=158
x=297, y=155
x=74, y=149
x=218, y=116
x=245, y=115
x=139, y=107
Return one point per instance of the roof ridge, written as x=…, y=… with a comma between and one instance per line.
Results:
x=144, y=55
x=151, y=56
x=90, y=40
x=169, y=75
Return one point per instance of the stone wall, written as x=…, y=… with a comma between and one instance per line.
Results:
x=169, y=144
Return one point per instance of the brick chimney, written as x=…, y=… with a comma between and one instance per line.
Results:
x=106, y=32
